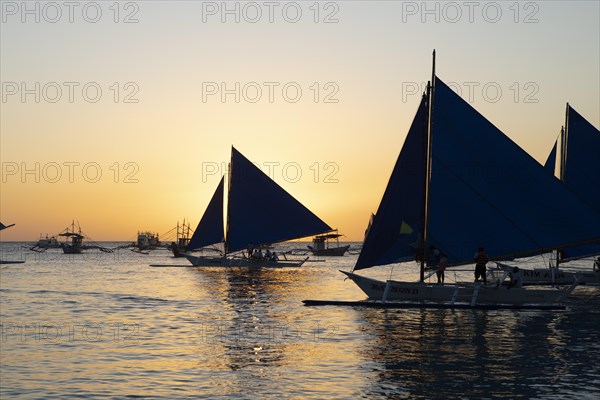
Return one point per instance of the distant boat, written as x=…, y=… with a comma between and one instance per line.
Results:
x=73, y=240
x=3, y=227
x=73, y=243
x=459, y=183
x=259, y=213
x=147, y=240
x=44, y=243
x=320, y=245
x=182, y=239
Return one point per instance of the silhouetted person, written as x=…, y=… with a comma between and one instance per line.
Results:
x=441, y=268
x=481, y=261
x=433, y=256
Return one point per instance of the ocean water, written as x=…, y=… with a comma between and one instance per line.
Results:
x=101, y=325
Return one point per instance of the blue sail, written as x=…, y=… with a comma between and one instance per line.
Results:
x=261, y=212
x=582, y=164
x=582, y=169
x=210, y=228
x=550, y=164
x=394, y=232
x=486, y=191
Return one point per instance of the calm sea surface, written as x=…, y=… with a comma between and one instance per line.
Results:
x=103, y=325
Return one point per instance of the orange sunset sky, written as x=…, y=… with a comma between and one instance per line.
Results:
x=123, y=118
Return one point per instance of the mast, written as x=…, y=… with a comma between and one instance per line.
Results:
x=563, y=162
x=230, y=166
x=560, y=176
x=563, y=150
x=427, y=161
x=559, y=160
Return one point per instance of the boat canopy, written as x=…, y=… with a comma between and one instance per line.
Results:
x=328, y=236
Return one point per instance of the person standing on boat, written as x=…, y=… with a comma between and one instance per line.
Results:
x=597, y=265
x=516, y=278
x=433, y=256
x=441, y=268
x=481, y=261
x=250, y=249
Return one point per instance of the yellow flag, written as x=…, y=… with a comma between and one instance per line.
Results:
x=405, y=229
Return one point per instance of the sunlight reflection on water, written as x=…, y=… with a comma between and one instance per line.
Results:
x=107, y=325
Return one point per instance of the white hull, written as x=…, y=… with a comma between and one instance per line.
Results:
x=424, y=292
x=554, y=276
x=213, y=261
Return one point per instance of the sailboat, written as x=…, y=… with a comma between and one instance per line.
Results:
x=3, y=227
x=578, y=149
x=259, y=213
x=459, y=184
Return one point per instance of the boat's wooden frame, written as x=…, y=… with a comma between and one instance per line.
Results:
x=237, y=261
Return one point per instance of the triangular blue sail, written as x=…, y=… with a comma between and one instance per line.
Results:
x=394, y=233
x=261, y=212
x=550, y=164
x=582, y=169
x=582, y=164
x=210, y=228
x=486, y=191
